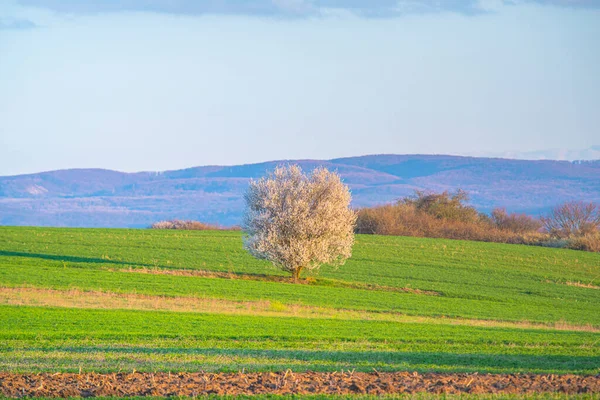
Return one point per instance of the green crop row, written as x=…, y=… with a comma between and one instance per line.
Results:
x=36, y=338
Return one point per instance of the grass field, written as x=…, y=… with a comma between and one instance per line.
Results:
x=117, y=300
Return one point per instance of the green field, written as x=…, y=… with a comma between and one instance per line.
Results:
x=118, y=300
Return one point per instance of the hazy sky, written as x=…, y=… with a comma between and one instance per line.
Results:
x=157, y=84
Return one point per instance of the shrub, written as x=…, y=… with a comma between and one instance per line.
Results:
x=517, y=223
x=445, y=216
x=573, y=219
x=587, y=242
x=443, y=205
x=299, y=221
x=555, y=243
x=185, y=225
x=399, y=219
x=574, y=225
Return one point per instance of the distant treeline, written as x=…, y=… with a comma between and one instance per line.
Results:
x=574, y=225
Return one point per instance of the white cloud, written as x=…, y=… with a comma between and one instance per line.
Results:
x=294, y=6
x=16, y=23
x=368, y=8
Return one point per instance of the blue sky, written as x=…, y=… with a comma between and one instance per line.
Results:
x=155, y=84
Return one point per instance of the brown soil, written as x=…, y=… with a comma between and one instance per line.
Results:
x=195, y=384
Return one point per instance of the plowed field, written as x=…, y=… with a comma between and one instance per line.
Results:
x=195, y=384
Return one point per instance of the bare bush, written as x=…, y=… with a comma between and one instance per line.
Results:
x=185, y=225
x=405, y=220
x=445, y=215
x=517, y=223
x=444, y=205
x=394, y=219
x=299, y=221
x=574, y=225
x=587, y=242
x=572, y=219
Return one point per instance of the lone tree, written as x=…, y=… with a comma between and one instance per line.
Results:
x=299, y=221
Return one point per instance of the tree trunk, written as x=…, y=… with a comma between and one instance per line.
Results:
x=296, y=274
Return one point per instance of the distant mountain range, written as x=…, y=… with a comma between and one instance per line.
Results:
x=591, y=153
x=104, y=198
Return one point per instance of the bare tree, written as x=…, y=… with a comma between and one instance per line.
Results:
x=299, y=221
x=513, y=222
x=572, y=219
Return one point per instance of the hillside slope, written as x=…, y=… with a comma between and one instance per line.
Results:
x=109, y=300
x=104, y=198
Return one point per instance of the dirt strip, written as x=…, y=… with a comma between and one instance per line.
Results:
x=376, y=383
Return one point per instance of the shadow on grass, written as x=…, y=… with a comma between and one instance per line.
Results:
x=72, y=259
x=176, y=270
x=365, y=360
x=156, y=268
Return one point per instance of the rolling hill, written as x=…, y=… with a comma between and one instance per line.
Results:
x=110, y=300
x=105, y=198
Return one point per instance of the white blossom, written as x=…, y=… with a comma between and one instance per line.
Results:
x=299, y=221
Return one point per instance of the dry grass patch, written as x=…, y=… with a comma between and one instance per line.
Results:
x=583, y=285
x=75, y=298
x=573, y=283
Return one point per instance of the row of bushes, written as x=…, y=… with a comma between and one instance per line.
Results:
x=446, y=215
x=188, y=225
x=574, y=225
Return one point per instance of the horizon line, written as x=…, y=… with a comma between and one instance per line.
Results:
x=296, y=160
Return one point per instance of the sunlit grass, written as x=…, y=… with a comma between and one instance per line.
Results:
x=110, y=300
